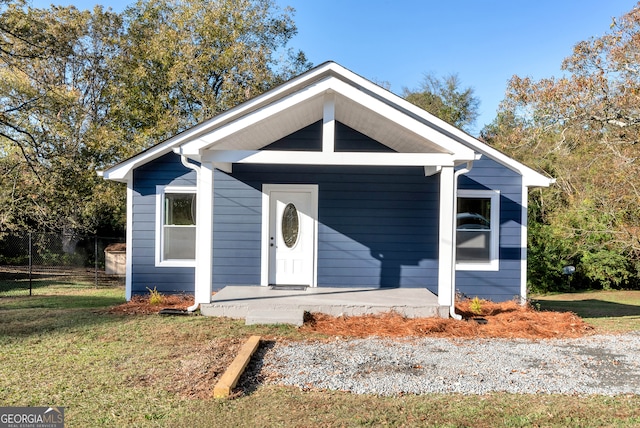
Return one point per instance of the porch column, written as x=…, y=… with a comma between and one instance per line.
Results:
x=204, y=235
x=446, y=268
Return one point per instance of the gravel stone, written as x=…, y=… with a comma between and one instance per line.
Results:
x=602, y=364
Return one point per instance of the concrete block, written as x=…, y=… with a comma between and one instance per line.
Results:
x=266, y=316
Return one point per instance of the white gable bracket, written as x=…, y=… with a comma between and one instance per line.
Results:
x=432, y=170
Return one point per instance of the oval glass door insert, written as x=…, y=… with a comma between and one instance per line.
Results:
x=290, y=225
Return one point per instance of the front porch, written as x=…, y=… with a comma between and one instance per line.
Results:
x=286, y=305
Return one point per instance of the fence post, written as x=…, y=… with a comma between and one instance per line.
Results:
x=30, y=265
x=95, y=258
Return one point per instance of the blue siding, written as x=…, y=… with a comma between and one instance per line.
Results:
x=377, y=226
x=350, y=140
x=166, y=170
x=503, y=284
x=306, y=139
x=237, y=225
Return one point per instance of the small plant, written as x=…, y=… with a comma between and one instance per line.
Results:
x=155, y=297
x=476, y=306
x=534, y=304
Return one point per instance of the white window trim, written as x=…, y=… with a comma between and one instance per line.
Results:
x=160, y=192
x=494, y=251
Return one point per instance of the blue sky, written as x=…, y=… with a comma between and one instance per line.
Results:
x=484, y=41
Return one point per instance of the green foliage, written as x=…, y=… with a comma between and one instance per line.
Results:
x=82, y=90
x=583, y=130
x=196, y=59
x=445, y=99
x=606, y=268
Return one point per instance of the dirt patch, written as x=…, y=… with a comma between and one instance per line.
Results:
x=201, y=368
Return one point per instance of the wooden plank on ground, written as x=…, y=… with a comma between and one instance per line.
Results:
x=230, y=377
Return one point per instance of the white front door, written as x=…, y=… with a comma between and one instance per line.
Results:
x=291, y=234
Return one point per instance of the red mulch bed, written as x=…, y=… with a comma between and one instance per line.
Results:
x=139, y=305
x=496, y=320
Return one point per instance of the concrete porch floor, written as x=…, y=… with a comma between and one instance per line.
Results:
x=266, y=305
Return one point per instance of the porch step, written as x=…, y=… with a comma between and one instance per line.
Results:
x=281, y=316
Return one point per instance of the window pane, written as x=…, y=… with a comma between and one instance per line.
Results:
x=290, y=225
x=473, y=230
x=474, y=246
x=474, y=213
x=180, y=209
x=179, y=242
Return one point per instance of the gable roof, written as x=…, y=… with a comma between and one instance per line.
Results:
x=327, y=90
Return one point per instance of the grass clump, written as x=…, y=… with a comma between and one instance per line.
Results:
x=155, y=297
x=476, y=306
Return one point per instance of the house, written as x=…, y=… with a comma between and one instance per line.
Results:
x=327, y=180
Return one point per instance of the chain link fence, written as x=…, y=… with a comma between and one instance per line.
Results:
x=33, y=260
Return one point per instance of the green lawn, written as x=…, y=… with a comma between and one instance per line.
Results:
x=612, y=311
x=62, y=348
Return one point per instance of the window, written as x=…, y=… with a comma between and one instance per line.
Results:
x=176, y=231
x=477, y=226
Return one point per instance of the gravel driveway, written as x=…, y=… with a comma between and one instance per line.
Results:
x=603, y=364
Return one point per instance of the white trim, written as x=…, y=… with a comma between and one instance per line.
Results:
x=265, y=242
x=376, y=107
x=281, y=157
x=494, y=251
x=524, y=203
x=329, y=122
x=161, y=190
x=204, y=234
x=430, y=170
x=128, y=290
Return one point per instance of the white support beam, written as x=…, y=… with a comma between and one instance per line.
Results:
x=329, y=122
x=128, y=282
x=524, y=203
x=445, y=232
x=204, y=235
x=278, y=157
